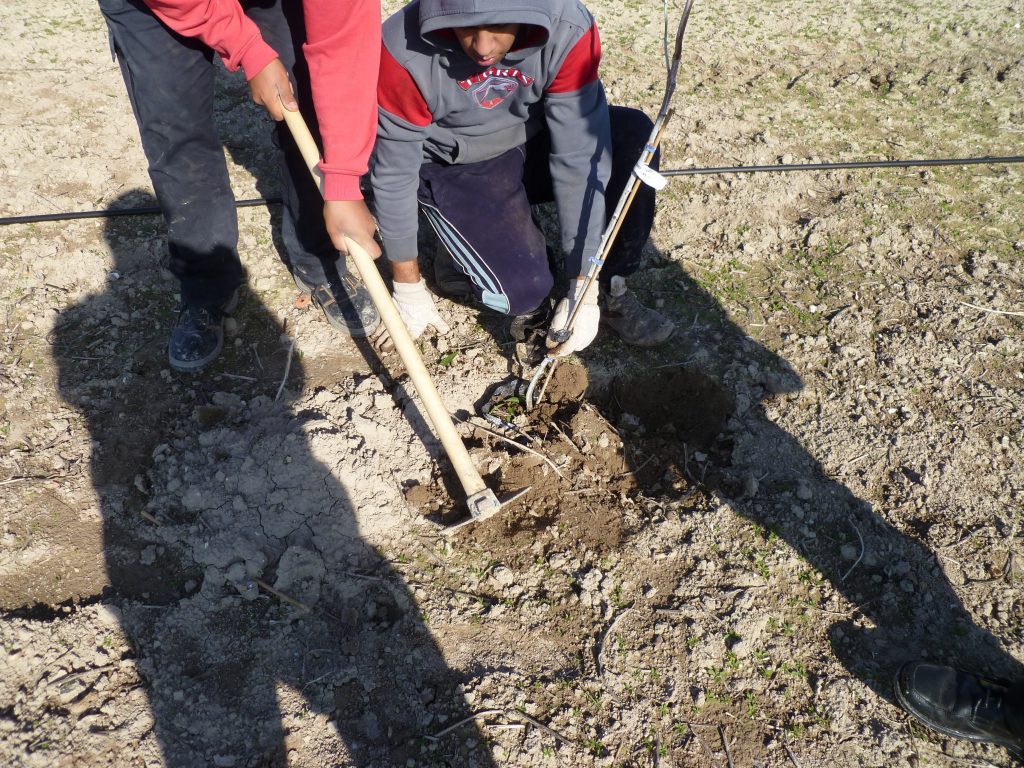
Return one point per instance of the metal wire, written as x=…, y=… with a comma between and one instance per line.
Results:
x=110, y=213
x=844, y=166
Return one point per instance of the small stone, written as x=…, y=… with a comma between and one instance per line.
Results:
x=70, y=692
x=503, y=576
x=236, y=572
x=370, y=726
x=849, y=552
x=750, y=485
x=109, y=615
x=193, y=499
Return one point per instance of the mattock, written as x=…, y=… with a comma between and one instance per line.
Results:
x=481, y=500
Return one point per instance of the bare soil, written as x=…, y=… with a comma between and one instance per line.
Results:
x=728, y=545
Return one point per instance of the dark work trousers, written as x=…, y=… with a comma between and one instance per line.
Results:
x=170, y=82
x=481, y=213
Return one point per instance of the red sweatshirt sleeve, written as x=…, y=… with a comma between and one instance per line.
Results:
x=223, y=26
x=343, y=52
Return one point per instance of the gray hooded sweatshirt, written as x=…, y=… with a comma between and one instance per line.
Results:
x=436, y=104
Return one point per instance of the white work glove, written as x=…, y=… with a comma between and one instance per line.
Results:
x=585, y=325
x=416, y=307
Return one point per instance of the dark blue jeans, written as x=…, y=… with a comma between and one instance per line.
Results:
x=170, y=82
x=481, y=213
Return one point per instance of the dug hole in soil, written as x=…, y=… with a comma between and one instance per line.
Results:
x=729, y=544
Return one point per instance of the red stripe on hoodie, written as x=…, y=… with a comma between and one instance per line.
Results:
x=398, y=93
x=580, y=66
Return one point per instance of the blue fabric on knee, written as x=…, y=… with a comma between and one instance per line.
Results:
x=496, y=301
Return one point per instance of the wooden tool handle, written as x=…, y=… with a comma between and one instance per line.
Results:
x=438, y=414
x=304, y=140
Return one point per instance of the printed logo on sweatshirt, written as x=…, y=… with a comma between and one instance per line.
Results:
x=494, y=85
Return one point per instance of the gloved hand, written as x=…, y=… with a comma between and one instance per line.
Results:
x=416, y=306
x=584, y=326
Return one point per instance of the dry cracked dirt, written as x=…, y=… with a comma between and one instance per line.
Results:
x=729, y=544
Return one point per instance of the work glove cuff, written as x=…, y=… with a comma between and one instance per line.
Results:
x=413, y=293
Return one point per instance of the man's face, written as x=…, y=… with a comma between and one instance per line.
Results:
x=487, y=45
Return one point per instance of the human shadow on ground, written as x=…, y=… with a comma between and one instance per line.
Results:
x=223, y=511
x=692, y=416
x=709, y=397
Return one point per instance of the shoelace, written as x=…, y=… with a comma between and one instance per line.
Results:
x=989, y=706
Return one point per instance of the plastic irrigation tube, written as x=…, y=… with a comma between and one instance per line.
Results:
x=843, y=166
x=110, y=213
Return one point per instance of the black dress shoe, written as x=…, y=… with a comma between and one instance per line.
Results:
x=958, y=704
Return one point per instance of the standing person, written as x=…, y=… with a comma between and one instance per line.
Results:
x=485, y=109
x=166, y=52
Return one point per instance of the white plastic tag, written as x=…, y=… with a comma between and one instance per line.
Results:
x=649, y=176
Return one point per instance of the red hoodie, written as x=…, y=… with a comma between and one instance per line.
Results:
x=343, y=52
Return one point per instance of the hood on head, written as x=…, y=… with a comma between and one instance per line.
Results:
x=439, y=15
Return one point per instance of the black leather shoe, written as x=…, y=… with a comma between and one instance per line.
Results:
x=345, y=302
x=198, y=336
x=957, y=704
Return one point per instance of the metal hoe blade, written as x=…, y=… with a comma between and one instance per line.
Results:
x=483, y=505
